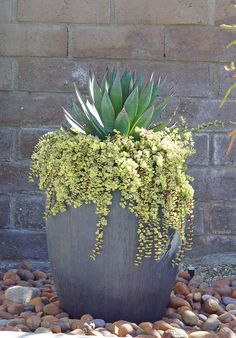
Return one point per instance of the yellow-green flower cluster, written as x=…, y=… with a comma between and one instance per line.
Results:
x=150, y=174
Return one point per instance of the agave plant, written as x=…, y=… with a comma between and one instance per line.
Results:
x=122, y=102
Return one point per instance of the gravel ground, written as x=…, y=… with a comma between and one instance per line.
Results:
x=202, y=306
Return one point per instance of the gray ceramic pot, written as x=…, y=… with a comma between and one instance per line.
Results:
x=110, y=287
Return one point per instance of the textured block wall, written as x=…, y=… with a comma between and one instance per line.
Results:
x=45, y=45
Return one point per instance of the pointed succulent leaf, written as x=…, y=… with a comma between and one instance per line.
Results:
x=112, y=76
x=131, y=104
x=145, y=97
x=95, y=93
x=116, y=94
x=131, y=83
x=139, y=82
x=125, y=80
x=145, y=119
x=104, y=84
x=81, y=100
x=94, y=113
x=107, y=113
x=156, y=89
x=122, y=123
x=74, y=124
x=161, y=107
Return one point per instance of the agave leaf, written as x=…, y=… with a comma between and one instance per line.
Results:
x=161, y=107
x=139, y=81
x=131, y=83
x=81, y=101
x=122, y=123
x=116, y=94
x=107, y=113
x=74, y=124
x=95, y=92
x=112, y=76
x=104, y=84
x=145, y=97
x=93, y=111
x=144, y=120
x=227, y=94
x=131, y=104
x=125, y=80
x=90, y=124
x=157, y=88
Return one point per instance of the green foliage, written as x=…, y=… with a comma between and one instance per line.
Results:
x=121, y=103
x=75, y=169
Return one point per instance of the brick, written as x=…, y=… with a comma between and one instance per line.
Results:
x=29, y=212
x=200, y=220
x=4, y=212
x=211, y=245
x=71, y=11
x=220, y=145
x=182, y=79
x=14, y=177
x=224, y=12
x=27, y=141
x=144, y=42
x=7, y=143
x=32, y=109
x=201, y=157
x=198, y=44
x=214, y=183
x=57, y=75
x=6, y=76
x=223, y=219
x=5, y=10
x=203, y=111
x=15, y=245
x=161, y=12
x=33, y=40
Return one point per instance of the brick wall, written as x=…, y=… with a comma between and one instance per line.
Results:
x=46, y=45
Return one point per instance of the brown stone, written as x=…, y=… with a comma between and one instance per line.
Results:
x=181, y=288
x=33, y=322
x=125, y=329
x=211, y=306
x=37, y=273
x=15, y=309
x=161, y=325
x=44, y=40
x=176, y=302
x=226, y=332
x=55, y=327
x=84, y=11
x=51, y=309
x=118, y=42
x=11, y=274
x=158, y=12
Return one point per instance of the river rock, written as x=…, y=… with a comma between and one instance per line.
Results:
x=176, y=302
x=190, y=318
x=211, y=324
x=229, y=300
x=25, y=274
x=181, y=289
x=33, y=322
x=201, y=334
x=125, y=329
x=21, y=294
x=211, y=306
x=51, y=309
x=99, y=323
x=175, y=333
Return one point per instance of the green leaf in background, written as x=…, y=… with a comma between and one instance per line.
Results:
x=231, y=88
x=107, y=113
x=116, y=94
x=122, y=123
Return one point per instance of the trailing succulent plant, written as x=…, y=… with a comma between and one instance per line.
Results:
x=115, y=144
x=122, y=102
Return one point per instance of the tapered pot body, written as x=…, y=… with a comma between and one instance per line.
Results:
x=110, y=287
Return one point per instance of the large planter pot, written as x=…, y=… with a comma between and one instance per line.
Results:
x=110, y=287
